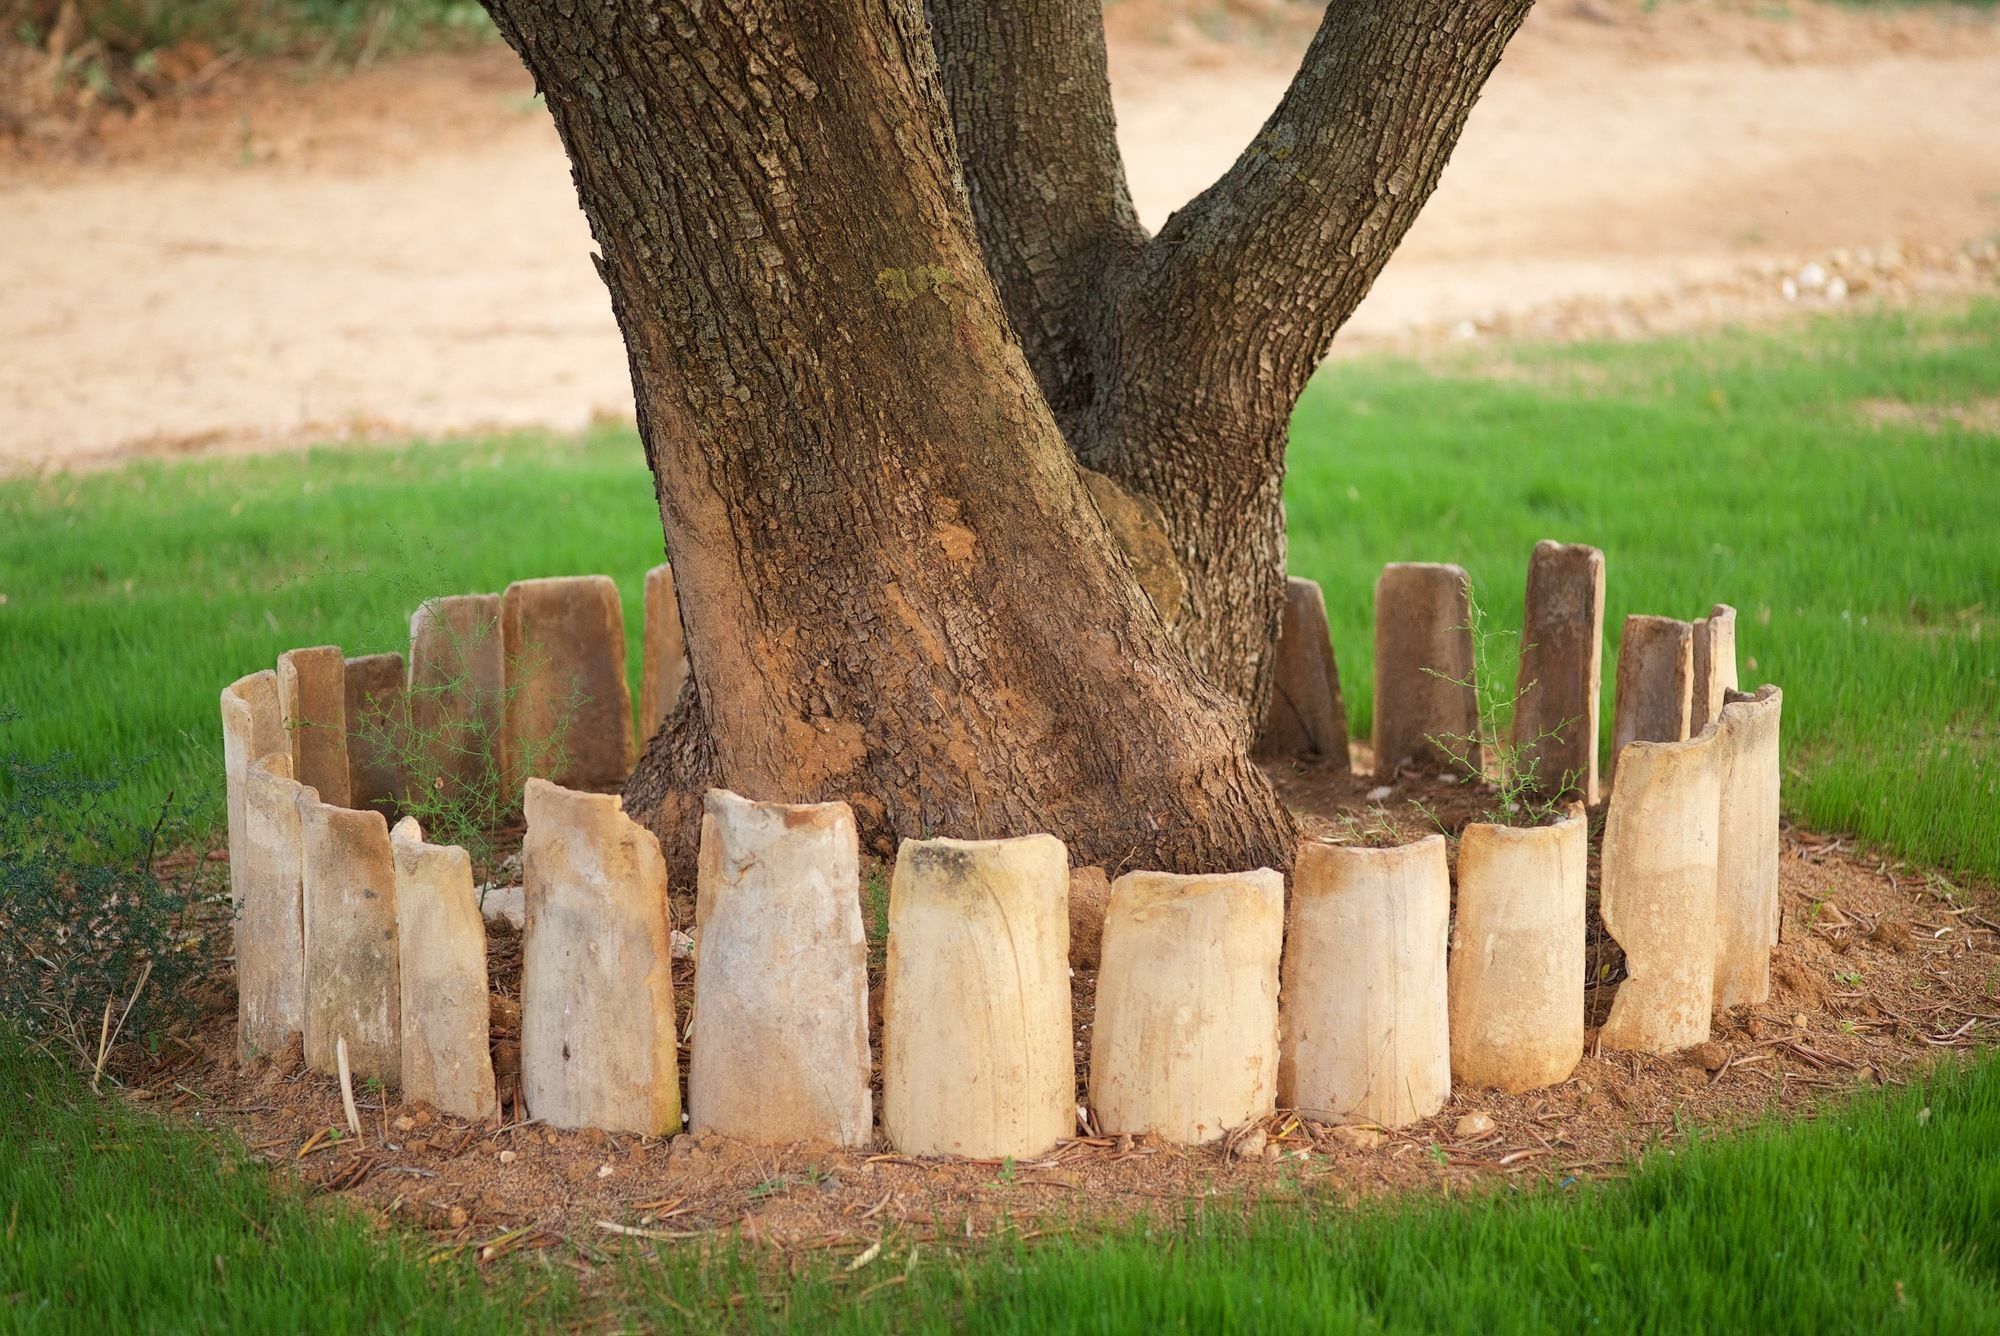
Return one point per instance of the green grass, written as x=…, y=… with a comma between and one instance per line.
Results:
x=1865, y=559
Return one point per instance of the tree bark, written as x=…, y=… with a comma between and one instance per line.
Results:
x=894, y=587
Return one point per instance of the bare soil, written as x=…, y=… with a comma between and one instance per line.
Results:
x=1880, y=971
x=277, y=259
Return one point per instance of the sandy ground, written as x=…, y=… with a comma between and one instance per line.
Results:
x=399, y=251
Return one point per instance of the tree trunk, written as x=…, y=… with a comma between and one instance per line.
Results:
x=894, y=587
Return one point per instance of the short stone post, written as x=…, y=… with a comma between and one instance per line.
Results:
x=1746, y=861
x=253, y=727
x=1714, y=666
x=1657, y=896
x=353, y=989
x=1365, y=1033
x=1423, y=669
x=1517, y=961
x=780, y=1050
x=1185, y=1044
x=456, y=683
x=1306, y=718
x=270, y=923
x=597, y=992
x=567, y=717
x=312, y=699
x=1655, y=683
x=442, y=942
x=977, y=1054
x=1562, y=654
x=377, y=728
x=663, y=662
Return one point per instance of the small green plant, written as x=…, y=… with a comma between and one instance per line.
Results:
x=102, y=922
x=1491, y=752
x=1370, y=828
x=1006, y=1174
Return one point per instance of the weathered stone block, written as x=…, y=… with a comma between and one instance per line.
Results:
x=442, y=966
x=312, y=700
x=1306, y=717
x=1426, y=708
x=1746, y=861
x=780, y=1050
x=1365, y=1034
x=1517, y=962
x=353, y=991
x=597, y=993
x=1714, y=666
x=377, y=731
x=1562, y=654
x=1655, y=683
x=1185, y=1044
x=568, y=713
x=270, y=923
x=456, y=683
x=1657, y=891
x=663, y=664
x=253, y=727
x=977, y=1057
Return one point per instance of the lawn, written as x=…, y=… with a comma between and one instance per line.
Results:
x=1816, y=479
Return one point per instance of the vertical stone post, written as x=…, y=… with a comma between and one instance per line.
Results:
x=1562, y=655
x=253, y=727
x=1185, y=1038
x=1746, y=862
x=977, y=1053
x=270, y=923
x=1306, y=718
x=663, y=662
x=1517, y=962
x=456, y=683
x=1657, y=894
x=312, y=699
x=377, y=731
x=780, y=1050
x=1365, y=1034
x=442, y=944
x=597, y=993
x=567, y=716
x=1655, y=683
x=1423, y=669
x=1714, y=666
x=353, y=989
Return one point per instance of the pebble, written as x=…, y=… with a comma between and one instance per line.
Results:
x=1379, y=792
x=508, y=1157
x=1252, y=1145
x=1472, y=1126
x=1357, y=1136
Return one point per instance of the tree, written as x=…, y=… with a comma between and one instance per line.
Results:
x=882, y=289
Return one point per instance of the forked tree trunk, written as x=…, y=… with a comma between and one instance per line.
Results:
x=895, y=589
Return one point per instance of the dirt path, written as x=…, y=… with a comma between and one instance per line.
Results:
x=401, y=252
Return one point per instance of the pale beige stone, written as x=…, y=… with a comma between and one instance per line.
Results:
x=456, y=683
x=977, y=1057
x=1365, y=1034
x=312, y=701
x=377, y=731
x=1655, y=683
x=597, y=993
x=567, y=717
x=1089, y=897
x=253, y=727
x=1426, y=707
x=1562, y=657
x=270, y=924
x=1517, y=963
x=1714, y=666
x=1184, y=1042
x=780, y=1045
x=1657, y=896
x=1746, y=861
x=1139, y=528
x=1306, y=718
x=442, y=966
x=353, y=991
x=663, y=664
